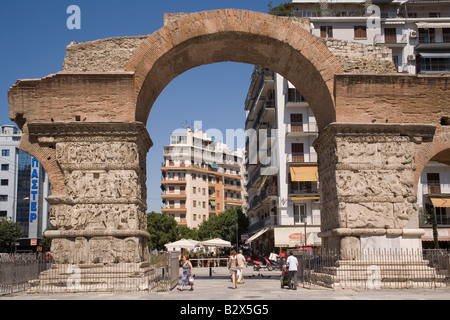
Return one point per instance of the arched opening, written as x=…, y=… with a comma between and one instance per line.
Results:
x=434, y=201
x=228, y=36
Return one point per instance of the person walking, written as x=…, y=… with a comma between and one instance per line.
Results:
x=292, y=265
x=241, y=264
x=187, y=274
x=233, y=267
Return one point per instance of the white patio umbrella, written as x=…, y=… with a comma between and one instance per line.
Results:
x=183, y=243
x=216, y=243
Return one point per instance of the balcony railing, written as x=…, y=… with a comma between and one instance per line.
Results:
x=301, y=128
x=431, y=188
x=304, y=188
x=426, y=220
x=270, y=221
x=302, y=158
x=386, y=39
x=265, y=193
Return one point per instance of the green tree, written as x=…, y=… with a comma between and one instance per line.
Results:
x=219, y=226
x=10, y=233
x=162, y=230
x=280, y=10
x=432, y=216
x=184, y=232
x=46, y=243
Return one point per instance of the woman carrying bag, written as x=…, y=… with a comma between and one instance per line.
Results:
x=187, y=278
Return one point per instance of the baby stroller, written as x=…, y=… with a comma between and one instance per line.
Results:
x=285, y=281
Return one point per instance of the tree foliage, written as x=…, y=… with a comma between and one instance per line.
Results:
x=281, y=9
x=162, y=230
x=223, y=225
x=10, y=233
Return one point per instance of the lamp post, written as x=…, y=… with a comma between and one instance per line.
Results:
x=237, y=236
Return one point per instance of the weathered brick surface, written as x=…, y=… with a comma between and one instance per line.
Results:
x=68, y=96
x=393, y=98
x=101, y=55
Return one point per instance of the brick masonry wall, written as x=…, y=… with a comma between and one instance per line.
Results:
x=66, y=97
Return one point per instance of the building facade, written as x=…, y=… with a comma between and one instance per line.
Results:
x=283, y=202
x=417, y=31
x=24, y=187
x=200, y=177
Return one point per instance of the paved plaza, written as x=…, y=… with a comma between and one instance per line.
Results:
x=261, y=285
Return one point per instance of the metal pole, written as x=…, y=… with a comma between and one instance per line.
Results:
x=237, y=240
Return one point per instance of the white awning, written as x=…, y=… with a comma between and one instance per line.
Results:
x=435, y=25
x=256, y=235
x=434, y=55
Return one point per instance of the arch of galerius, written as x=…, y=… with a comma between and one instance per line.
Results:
x=86, y=125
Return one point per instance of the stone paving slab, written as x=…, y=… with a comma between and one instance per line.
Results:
x=259, y=286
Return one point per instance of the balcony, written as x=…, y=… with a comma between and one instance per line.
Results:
x=270, y=221
x=302, y=129
x=304, y=189
x=441, y=219
x=300, y=158
x=433, y=188
x=266, y=193
x=392, y=41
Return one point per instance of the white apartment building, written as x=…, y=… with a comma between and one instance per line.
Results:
x=24, y=186
x=9, y=140
x=417, y=31
x=200, y=177
x=284, y=201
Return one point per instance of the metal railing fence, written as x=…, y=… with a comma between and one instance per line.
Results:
x=375, y=269
x=39, y=274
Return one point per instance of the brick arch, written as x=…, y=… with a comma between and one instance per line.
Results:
x=437, y=150
x=238, y=36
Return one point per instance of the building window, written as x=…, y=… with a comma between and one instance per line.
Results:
x=434, y=65
x=194, y=190
x=4, y=182
x=5, y=153
x=427, y=35
x=3, y=213
x=194, y=203
x=299, y=213
x=3, y=198
x=297, y=152
x=390, y=35
x=446, y=34
x=326, y=31
x=5, y=167
x=296, y=122
x=434, y=184
x=360, y=32
x=434, y=14
x=294, y=96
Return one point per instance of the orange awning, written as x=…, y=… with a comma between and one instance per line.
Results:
x=304, y=173
x=441, y=202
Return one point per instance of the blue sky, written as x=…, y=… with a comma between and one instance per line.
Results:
x=34, y=37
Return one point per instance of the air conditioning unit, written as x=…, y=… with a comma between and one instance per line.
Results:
x=411, y=57
x=413, y=34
